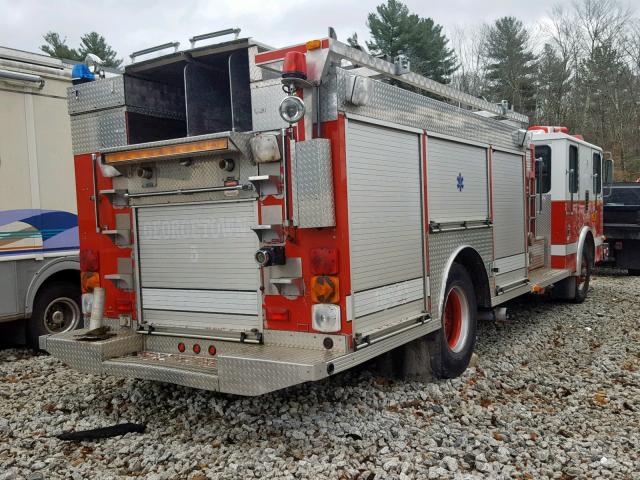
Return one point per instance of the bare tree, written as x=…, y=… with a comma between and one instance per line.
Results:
x=469, y=44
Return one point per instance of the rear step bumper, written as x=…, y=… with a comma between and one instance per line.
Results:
x=243, y=369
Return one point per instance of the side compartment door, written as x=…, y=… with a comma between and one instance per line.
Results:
x=385, y=226
x=510, y=263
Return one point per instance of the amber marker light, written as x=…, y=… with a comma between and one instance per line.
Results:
x=325, y=289
x=313, y=44
x=190, y=148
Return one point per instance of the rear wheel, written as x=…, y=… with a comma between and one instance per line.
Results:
x=634, y=272
x=55, y=310
x=450, y=348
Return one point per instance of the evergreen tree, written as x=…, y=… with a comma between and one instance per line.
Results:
x=395, y=29
x=95, y=43
x=430, y=52
x=512, y=65
x=57, y=47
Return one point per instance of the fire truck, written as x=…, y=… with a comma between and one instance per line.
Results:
x=254, y=218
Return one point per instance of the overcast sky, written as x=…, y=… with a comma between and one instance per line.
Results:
x=130, y=25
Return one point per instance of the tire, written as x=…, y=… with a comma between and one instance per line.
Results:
x=56, y=309
x=450, y=348
x=582, y=281
x=633, y=272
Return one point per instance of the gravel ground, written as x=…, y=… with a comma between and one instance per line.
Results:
x=555, y=394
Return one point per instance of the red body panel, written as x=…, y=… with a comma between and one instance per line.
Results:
x=300, y=242
x=567, y=221
x=117, y=301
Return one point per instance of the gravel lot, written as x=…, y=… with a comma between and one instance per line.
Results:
x=556, y=394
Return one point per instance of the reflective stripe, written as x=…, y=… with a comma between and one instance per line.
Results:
x=564, y=250
x=208, y=301
x=382, y=298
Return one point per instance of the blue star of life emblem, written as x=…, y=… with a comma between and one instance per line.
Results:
x=460, y=179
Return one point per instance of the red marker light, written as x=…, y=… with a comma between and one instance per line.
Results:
x=212, y=350
x=196, y=348
x=181, y=347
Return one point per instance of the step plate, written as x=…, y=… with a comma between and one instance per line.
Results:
x=178, y=369
x=546, y=276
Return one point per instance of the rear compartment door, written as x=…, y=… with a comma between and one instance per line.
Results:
x=196, y=266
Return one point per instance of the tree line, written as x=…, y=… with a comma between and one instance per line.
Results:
x=91, y=42
x=579, y=67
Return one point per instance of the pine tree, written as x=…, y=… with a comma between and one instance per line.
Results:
x=395, y=29
x=432, y=56
x=57, y=47
x=95, y=43
x=512, y=65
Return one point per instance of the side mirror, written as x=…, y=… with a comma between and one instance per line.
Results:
x=608, y=176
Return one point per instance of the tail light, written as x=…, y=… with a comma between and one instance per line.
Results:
x=277, y=314
x=325, y=289
x=324, y=261
x=89, y=260
x=89, y=281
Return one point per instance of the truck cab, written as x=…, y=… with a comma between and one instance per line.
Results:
x=567, y=205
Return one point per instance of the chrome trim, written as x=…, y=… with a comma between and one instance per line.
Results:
x=95, y=198
x=22, y=77
x=219, y=33
x=242, y=338
x=511, y=286
x=157, y=48
x=413, y=322
x=187, y=191
x=441, y=227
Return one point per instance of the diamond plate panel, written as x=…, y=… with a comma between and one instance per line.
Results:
x=88, y=356
x=329, y=98
x=244, y=376
x=312, y=184
x=543, y=219
x=202, y=173
x=165, y=369
x=442, y=245
x=93, y=132
x=313, y=341
x=265, y=100
x=393, y=104
x=98, y=95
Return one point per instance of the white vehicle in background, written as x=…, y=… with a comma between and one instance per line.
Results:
x=39, y=266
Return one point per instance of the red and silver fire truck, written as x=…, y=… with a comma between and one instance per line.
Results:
x=254, y=218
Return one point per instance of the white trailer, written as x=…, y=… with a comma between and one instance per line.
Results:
x=39, y=267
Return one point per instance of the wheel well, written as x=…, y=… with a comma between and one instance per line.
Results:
x=472, y=262
x=63, y=276
x=590, y=245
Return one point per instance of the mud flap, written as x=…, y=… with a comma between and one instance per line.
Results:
x=564, y=290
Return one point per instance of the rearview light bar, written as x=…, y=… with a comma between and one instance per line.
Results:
x=182, y=149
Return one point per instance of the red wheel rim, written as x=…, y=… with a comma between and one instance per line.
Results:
x=453, y=318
